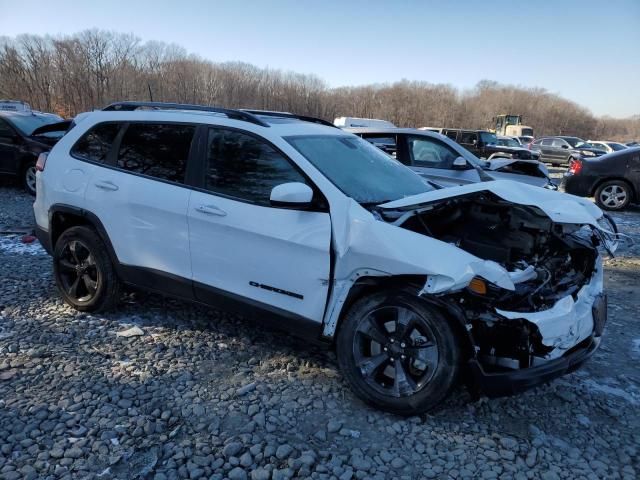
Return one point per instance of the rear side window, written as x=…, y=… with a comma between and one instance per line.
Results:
x=242, y=166
x=468, y=137
x=156, y=150
x=96, y=143
x=451, y=134
x=547, y=141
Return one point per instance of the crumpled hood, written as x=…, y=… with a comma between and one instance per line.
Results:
x=496, y=164
x=559, y=207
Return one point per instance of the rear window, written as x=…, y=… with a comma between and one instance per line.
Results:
x=96, y=143
x=156, y=150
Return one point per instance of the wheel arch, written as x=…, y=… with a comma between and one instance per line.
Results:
x=62, y=217
x=411, y=284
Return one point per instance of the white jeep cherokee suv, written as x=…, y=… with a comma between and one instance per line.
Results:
x=310, y=226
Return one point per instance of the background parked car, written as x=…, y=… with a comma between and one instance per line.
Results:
x=484, y=144
x=614, y=179
x=559, y=150
x=526, y=140
x=509, y=141
x=447, y=163
x=607, y=146
x=20, y=143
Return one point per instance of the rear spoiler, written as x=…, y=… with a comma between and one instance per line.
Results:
x=63, y=126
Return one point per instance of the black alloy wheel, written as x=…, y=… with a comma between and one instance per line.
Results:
x=78, y=272
x=83, y=271
x=398, y=352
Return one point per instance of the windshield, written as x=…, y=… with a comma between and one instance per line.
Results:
x=616, y=146
x=488, y=138
x=28, y=123
x=359, y=169
x=508, y=142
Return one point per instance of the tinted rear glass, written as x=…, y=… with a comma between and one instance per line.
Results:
x=96, y=143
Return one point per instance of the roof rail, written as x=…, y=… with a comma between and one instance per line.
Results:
x=304, y=118
x=230, y=113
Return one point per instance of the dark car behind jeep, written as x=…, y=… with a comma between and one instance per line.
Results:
x=613, y=179
x=484, y=144
x=21, y=143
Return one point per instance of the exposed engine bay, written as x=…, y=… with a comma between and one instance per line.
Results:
x=547, y=262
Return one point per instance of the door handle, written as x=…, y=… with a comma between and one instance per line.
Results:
x=106, y=185
x=211, y=210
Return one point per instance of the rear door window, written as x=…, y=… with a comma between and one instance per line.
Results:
x=547, y=142
x=467, y=138
x=156, y=150
x=95, y=145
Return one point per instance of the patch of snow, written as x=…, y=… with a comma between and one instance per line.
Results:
x=12, y=245
x=631, y=397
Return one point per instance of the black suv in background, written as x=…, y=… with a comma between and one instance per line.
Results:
x=484, y=144
x=21, y=143
x=560, y=150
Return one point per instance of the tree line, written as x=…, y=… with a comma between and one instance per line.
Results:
x=91, y=69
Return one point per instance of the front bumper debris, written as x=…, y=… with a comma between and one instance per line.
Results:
x=512, y=382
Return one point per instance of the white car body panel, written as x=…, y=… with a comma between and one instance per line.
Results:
x=246, y=249
x=149, y=230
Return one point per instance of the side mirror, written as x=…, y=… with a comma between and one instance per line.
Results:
x=566, y=147
x=460, y=163
x=291, y=195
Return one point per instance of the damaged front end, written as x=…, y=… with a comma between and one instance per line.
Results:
x=547, y=318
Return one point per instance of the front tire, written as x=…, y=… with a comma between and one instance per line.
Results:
x=613, y=195
x=398, y=353
x=83, y=271
x=28, y=177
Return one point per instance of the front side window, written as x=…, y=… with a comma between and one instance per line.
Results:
x=242, y=166
x=429, y=153
x=558, y=143
x=5, y=130
x=96, y=143
x=156, y=150
x=360, y=170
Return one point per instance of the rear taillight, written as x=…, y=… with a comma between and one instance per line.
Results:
x=575, y=166
x=42, y=161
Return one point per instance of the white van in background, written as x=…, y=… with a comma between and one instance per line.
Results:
x=355, y=122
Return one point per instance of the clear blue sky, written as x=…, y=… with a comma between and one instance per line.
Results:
x=587, y=51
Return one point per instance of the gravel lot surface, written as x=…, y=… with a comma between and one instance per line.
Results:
x=197, y=393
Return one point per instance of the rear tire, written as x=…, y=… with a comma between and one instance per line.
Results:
x=83, y=271
x=398, y=353
x=613, y=195
x=28, y=177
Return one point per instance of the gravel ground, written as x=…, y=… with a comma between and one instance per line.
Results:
x=197, y=393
